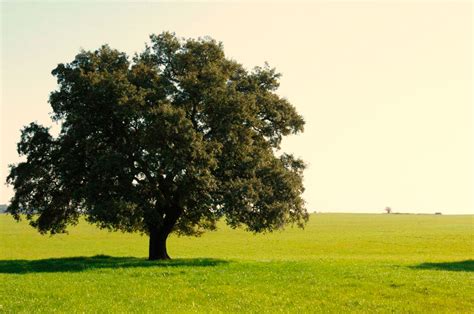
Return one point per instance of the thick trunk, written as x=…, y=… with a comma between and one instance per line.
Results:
x=158, y=236
x=157, y=249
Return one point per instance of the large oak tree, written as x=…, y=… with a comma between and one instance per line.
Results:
x=171, y=140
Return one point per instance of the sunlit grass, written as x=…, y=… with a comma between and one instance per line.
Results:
x=339, y=263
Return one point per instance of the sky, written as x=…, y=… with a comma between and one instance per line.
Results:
x=385, y=87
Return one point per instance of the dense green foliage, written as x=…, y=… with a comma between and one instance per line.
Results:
x=339, y=263
x=172, y=140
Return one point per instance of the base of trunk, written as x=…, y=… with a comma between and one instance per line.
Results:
x=159, y=258
x=157, y=249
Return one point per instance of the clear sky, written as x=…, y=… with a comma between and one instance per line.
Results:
x=385, y=87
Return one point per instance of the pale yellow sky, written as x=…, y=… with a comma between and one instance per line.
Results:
x=385, y=87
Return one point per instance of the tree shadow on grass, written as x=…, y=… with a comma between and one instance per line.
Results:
x=467, y=266
x=82, y=263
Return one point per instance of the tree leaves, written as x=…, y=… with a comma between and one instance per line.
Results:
x=178, y=130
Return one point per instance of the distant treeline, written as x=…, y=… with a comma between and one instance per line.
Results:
x=3, y=208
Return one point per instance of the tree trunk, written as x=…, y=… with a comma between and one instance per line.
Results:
x=158, y=235
x=157, y=249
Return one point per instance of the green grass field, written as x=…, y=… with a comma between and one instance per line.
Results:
x=338, y=263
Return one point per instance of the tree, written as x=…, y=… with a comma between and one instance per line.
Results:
x=171, y=140
x=388, y=210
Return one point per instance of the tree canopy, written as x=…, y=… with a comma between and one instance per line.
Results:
x=169, y=140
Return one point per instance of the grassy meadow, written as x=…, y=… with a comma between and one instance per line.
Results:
x=338, y=263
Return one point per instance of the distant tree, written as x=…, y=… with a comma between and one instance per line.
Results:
x=169, y=141
x=388, y=210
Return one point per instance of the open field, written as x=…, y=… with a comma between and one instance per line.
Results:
x=339, y=263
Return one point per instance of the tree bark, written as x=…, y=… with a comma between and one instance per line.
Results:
x=158, y=236
x=157, y=249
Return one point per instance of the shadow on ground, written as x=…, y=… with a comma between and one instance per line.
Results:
x=81, y=263
x=467, y=266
